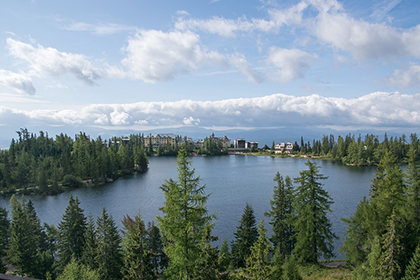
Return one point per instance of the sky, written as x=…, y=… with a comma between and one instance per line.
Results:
x=114, y=67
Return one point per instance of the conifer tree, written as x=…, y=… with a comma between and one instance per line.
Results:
x=413, y=187
x=412, y=272
x=154, y=242
x=312, y=227
x=390, y=267
x=71, y=238
x=91, y=244
x=4, y=230
x=245, y=236
x=258, y=263
x=185, y=222
x=23, y=250
x=109, y=256
x=137, y=255
x=280, y=214
x=224, y=256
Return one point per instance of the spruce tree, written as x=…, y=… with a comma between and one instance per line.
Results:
x=224, y=256
x=258, y=264
x=91, y=245
x=77, y=271
x=245, y=236
x=390, y=267
x=185, y=222
x=312, y=227
x=137, y=254
x=413, y=187
x=412, y=272
x=4, y=230
x=109, y=256
x=154, y=242
x=280, y=214
x=71, y=238
x=25, y=236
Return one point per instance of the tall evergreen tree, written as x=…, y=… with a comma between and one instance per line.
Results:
x=412, y=272
x=71, y=238
x=258, y=264
x=137, y=254
x=185, y=222
x=312, y=227
x=91, y=244
x=4, y=230
x=25, y=236
x=280, y=214
x=245, y=236
x=109, y=257
x=390, y=267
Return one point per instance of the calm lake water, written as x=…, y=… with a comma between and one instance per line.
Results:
x=231, y=180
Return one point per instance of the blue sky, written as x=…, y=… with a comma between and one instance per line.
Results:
x=218, y=65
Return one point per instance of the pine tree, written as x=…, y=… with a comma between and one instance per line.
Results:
x=258, y=263
x=137, y=254
x=71, y=238
x=412, y=272
x=109, y=256
x=245, y=236
x=312, y=227
x=154, y=242
x=390, y=267
x=23, y=250
x=413, y=187
x=280, y=214
x=91, y=244
x=224, y=256
x=185, y=223
x=4, y=230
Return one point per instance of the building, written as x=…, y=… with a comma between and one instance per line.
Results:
x=239, y=144
x=161, y=139
x=251, y=145
x=283, y=148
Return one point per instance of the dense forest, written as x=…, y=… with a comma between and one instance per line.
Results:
x=43, y=165
x=352, y=150
x=381, y=242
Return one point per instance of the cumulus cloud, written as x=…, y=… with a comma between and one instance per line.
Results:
x=364, y=40
x=409, y=76
x=379, y=109
x=292, y=62
x=154, y=56
x=50, y=61
x=18, y=82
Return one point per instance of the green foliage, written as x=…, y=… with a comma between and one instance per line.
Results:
x=137, y=254
x=4, y=230
x=25, y=236
x=312, y=227
x=39, y=164
x=109, y=253
x=290, y=270
x=245, y=236
x=412, y=271
x=281, y=214
x=225, y=257
x=91, y=244
x=185, y=223
x=76, y=271
x=71, y=238
x=258, y=264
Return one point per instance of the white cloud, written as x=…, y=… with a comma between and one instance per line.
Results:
x=364, y=40
x=50, y=61
x=409, y=76
x=154, y=56
x=379, y=109
x=292, y=62
x=18, y=82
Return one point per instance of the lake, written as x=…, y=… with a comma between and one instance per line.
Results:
x=231, y=180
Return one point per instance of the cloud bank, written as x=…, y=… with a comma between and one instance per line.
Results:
x=379, y=109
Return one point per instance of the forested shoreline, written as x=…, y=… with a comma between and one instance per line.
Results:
x=382, y=240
